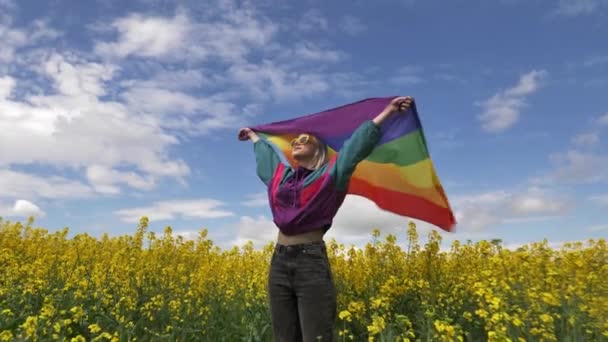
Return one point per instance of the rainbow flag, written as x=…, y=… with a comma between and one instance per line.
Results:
x=398, y=176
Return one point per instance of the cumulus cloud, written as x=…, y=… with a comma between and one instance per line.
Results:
x=354, y=224
x=19, y=184
x=408, y=75
x=600, y=199
x=231, y=36
x=270, y=80
x=598, y=228
x=579, y=7
x=502, y=110
x=352, y=25
x=22, y=208
x=104, y=179
x=14, y=39
x=575, y=167
x=26, y=208
x=603, y=120
x=479, y=211
x=589, y=138
x=358, y=217
x=259, y=230
x=313, y=20
x=168, y=210
x=310, y=51
x=256, y=200
x=74, y=127
x=112, y=115
x=146, y=36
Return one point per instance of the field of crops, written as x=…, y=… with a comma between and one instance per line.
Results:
x=149, y=287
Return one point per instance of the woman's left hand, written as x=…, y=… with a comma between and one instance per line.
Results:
x=400, y=104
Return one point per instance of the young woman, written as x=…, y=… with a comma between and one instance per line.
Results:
x=304, y=200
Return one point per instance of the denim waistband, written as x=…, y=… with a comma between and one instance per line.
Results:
x=299, y=247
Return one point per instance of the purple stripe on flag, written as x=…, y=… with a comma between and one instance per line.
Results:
x=331, y=129
x=341, y=121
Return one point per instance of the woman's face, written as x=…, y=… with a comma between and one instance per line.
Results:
x=303, y=147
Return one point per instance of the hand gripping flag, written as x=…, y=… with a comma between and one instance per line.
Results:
x=398, y=176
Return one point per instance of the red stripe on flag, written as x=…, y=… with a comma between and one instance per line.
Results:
x=404, y=204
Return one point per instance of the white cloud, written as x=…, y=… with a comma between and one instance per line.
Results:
x=479, y=211
x=603, y=120
x=352, y=25
x=310, y=51
x=476, y=212
x=279, y=82
x=536, y=201
x=502, y=110
x=7, y=4
x=600, y=199
x=171, y=79
x=579, y=7
x=105, y=179
x=313, y=20
x=598, y=228
x=596, y=60
x=113, y=120
x=22, y=208
x=555, y=245
x=167, y=210
x=358, y=217
x=447, y=139
x=7, y=84
x=589, y=138
x=408, y=75
x=26, y=208
x=354, y=224
x=260, y=231
x=22, y=185
x=162, y=101
x=575, y=167
x=146, y=36
x=13, y=39
x=256, y=200
x=74, y=128
x=230, y=36
x=77, y=77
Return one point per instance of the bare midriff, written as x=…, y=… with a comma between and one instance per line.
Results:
x=312, y=236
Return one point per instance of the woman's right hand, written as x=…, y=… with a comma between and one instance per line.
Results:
x=246, y=133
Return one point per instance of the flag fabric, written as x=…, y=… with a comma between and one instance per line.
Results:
x=398, y=175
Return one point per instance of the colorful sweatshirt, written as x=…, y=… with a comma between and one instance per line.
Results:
x=303, y=200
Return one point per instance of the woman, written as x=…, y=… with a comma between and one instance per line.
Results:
x=304, y=201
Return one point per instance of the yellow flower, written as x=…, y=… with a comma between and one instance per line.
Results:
x=171, y=286
x=481, y=313
x=345, y=315
x=30, y=325
x=6, y=335
x=517, y=322
x=546, y=318
x=377, y=326
x=94, y=328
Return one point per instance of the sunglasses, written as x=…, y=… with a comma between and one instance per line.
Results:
x=302, y=139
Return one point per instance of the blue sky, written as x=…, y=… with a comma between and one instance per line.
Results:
x=111, y=110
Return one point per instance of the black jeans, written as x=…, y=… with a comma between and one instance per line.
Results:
x=302, y=293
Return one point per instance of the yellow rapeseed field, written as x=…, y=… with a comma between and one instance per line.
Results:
x=147, y=287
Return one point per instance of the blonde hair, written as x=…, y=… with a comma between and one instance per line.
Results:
x=320, y=156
